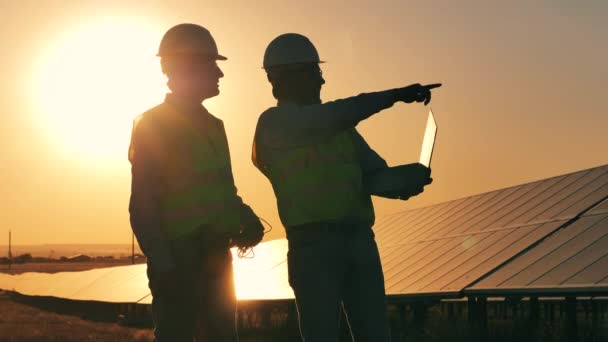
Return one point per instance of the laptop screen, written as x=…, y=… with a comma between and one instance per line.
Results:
x=429, y=140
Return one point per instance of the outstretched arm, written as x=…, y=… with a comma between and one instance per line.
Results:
x=296, y=125
x=291, y=125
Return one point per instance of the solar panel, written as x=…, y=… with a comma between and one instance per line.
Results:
x=447, y=265
x=574, y=258
x=601, y=208
x=440, y=250
x=31, y=283
x=129, y=284
x=7, y=281
x=263, y=276
x=123, y=284
x=556, y=198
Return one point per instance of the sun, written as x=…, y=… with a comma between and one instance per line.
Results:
x=92, y=82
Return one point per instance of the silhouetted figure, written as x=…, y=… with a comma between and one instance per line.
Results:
x=317, y=163
x=185, y=211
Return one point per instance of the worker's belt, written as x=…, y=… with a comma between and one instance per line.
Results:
x=308, y=231
x=203, y=238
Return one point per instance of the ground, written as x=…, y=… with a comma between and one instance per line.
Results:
x=20, y=322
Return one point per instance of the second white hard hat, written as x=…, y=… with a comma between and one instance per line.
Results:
x=290, y=48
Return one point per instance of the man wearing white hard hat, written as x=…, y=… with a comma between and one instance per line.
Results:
x=318, y=165
x=185, y=211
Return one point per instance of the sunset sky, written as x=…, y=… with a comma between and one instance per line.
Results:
x=523, y=97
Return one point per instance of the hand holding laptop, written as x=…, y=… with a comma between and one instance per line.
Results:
x=399, y=182
x=405, y=181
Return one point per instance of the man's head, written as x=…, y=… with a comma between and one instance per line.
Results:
x=189, y=59
x=292, y=66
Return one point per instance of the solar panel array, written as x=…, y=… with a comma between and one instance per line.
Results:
x=126, y=284
x=263, y=276
x=441, y=249
x=547, y=236
x=573, y=260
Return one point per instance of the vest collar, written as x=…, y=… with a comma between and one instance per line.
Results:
x=184, y=106
x=287, y=103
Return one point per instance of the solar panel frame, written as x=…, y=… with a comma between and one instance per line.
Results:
x=601, y=208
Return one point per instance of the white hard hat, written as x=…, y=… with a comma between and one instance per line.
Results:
x=290, y=48
x=188, y=39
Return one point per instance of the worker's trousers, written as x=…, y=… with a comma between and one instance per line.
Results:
x=334, y=267
x=201, y=303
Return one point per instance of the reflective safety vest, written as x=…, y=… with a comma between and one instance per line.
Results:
x=199, y=185
x=318, y=182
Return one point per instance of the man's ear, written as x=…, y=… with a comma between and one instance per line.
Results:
x=163, y=65
x=274, y=93
x=273, y=79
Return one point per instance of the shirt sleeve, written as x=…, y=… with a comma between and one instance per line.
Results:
x=370, y=161
x=301, y=125
x=147, y=187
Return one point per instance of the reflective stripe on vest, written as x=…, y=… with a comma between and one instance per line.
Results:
x=319, y=182
x=200, y=191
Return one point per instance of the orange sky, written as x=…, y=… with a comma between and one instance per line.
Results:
x=524, y=84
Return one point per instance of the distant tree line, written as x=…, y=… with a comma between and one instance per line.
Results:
x=28, y=258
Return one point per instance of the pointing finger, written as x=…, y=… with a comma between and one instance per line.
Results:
x=432, y=86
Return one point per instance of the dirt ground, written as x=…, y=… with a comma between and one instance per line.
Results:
x=54, y=267
x=20, y=322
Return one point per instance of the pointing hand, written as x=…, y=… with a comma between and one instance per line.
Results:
x=416, y=93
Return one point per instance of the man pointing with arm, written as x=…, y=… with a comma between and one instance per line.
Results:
x=317, y=164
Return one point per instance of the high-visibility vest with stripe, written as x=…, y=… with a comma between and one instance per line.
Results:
x=199, y=185
x=318, y=182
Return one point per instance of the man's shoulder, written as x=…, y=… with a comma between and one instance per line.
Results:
x=215, y=120
x=269, y=116
x=145, y=132
x=160, y=110
x=264, y=125
x=151, y=119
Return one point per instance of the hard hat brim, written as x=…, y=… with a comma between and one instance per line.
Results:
x=216, y=57
x=286, y=64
